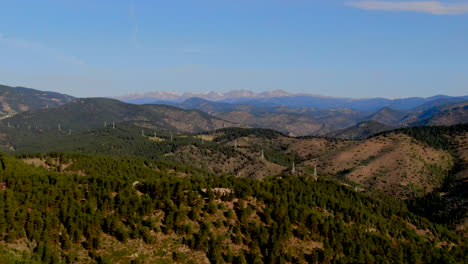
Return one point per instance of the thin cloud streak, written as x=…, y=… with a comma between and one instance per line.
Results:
x=429, y=7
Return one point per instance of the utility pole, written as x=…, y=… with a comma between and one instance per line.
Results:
x=315, y=172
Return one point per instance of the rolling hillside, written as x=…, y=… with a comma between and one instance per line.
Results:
x=173, y=170
x=388, y=116
x=15, y=100
x=395, y=163
x=401, y=163
x=97, y=209
x=288, y=120
x=292, y=115
x=90, y=113
x=447, y=115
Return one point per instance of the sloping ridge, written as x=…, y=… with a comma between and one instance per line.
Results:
x=448, y=115
x=387, y=116
x=14, y=100
x=87, y=113
x=393, y=162
x=361, y=131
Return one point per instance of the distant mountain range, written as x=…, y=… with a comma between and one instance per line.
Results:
x=212, y=96
x=282, y=98
x=303, y=121
x=291, y=114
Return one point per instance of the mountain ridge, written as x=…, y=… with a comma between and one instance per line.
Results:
x=88, y=113
x=14, y=100
x=304, y=121
x=280, y=97
x=290, y=114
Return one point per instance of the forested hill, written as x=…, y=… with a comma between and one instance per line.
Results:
x=447, y=204
x=396, y=163
x=15, y=100
x=410, y=163
x=91, y=113
x=90, y=209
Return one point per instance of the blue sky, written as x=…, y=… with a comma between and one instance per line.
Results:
x=328, y=47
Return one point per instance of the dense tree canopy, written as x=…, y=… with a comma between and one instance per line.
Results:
x=70, y=215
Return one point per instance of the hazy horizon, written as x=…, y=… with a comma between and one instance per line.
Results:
x=257, y=94
x=154, y=93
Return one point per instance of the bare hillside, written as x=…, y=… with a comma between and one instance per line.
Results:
x=396, y=164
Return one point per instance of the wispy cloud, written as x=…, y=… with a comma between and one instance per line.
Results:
x=430, y=7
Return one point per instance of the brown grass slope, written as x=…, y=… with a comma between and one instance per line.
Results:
x=395, y=164
x=240, y=163
x=286, y=123
x=387, y=116
x=295, y=122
